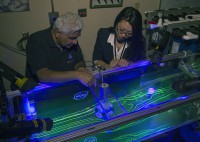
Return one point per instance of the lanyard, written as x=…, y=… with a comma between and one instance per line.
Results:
x=115, y=51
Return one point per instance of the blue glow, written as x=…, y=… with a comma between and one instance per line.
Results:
x=153, y=26
x=32, y=109
x=43, y=86
x=39, y=87
x=182, y=98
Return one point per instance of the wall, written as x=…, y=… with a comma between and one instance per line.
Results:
x=12, y=24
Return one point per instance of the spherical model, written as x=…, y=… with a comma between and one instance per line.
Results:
x=104, y=113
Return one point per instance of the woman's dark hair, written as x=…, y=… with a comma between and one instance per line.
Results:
x=134, y=18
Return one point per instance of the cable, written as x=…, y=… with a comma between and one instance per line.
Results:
x=21, y=44
x=24, y=84
x=12, y=49
x=192, y=17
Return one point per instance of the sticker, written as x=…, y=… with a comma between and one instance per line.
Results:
x=81, y=95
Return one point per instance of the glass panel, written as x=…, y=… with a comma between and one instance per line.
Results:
x=149, y=126
x=120, y=93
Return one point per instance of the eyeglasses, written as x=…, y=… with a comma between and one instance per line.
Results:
x=122, y=31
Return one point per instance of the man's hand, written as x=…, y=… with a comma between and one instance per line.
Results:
x=83, y=69
x=86, y=78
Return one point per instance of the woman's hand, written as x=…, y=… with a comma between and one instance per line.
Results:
x=123, y=63
x=114, y=63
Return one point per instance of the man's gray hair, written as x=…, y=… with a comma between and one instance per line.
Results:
x=68, y=23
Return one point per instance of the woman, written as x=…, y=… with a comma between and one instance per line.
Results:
x=122, y=44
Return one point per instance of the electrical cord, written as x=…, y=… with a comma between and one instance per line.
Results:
x=192, y=17
x=21, y=44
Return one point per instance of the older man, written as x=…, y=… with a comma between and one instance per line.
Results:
x=54, y=55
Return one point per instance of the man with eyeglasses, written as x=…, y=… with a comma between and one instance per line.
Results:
x=54, y=55
x=122, y=44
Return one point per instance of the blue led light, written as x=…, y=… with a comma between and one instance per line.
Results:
x=153, y=26
x=32, y=110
